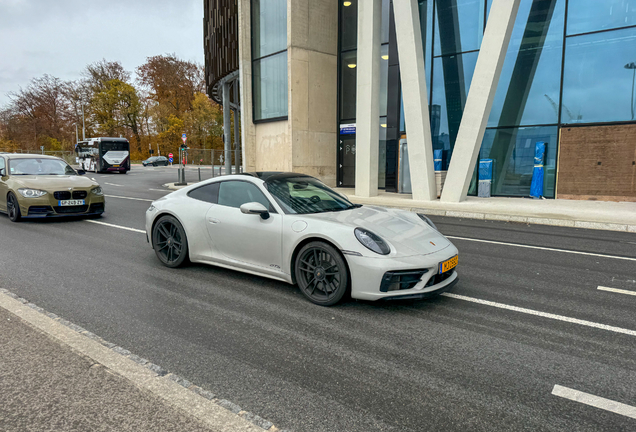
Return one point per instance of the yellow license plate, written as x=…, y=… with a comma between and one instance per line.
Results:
x=449, y=264
x=115, y=166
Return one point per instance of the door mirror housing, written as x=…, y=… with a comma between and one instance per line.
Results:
x=2, y=172
x=255, y=208
x=81, y=172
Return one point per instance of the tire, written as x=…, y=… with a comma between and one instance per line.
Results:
x=321, y=273
x=13, y=208
x=170, y=242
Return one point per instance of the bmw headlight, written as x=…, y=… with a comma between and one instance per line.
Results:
x=428, y=221
x=372, y=241
x=98, y=191
x=31, y=193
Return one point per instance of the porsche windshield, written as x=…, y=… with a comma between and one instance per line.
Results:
x=306, y=195
x=37, y=166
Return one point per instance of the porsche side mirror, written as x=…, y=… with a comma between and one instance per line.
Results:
x=255, y=208
x=81, y=172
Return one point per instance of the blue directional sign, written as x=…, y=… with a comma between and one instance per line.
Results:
x=170, y=160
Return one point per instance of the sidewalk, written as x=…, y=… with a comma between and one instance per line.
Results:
x=57, y=376
x=604, y=215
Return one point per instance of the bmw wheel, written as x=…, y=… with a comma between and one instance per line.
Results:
x=321, y=273
x=13, y=208
x=170, y=242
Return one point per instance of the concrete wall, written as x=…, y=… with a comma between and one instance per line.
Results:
x=307, y=141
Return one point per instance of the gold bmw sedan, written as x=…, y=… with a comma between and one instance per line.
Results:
x=38, y=186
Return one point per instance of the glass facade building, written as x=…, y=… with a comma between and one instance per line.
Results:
x=569, y=63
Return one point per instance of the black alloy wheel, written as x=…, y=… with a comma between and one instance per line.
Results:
x=13, y=208
x=321, y=273
x=169, y=241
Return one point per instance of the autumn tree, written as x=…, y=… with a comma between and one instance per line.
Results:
x=171, y=81
x=116, y=108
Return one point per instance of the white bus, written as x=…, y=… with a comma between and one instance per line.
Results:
x=104, y=155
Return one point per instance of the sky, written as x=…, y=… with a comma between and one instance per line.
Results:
x=61, y=37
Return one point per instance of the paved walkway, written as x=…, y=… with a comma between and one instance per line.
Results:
x=614, y=216
x=55, y=376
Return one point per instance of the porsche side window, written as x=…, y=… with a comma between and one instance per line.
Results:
x=237, y=193
x=208, y=193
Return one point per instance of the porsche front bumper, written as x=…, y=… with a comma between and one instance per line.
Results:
x=368, y=275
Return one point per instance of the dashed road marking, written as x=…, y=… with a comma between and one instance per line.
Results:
x=116, y=226
x=543, y=314
x=616, y=290
x=129, y=198
x=112, y=184
x=595, y=401
x=543, y=248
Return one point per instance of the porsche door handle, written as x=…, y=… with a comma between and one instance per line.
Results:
x=213, y=220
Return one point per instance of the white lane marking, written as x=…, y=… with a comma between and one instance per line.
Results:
x=595, y=401
x=116, y=226
x=160, y=190
x=543, y=248
x=543, y=314
x=616, y=290
x=130, y=198
x=112, y=184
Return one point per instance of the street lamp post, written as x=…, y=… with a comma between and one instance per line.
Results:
x=632, y=66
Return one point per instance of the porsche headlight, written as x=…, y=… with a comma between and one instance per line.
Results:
x=372, y=241
x=31, y=193
x=428, y=221
x=97, y=191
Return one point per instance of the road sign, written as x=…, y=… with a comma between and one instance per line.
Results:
x=170, y=155
x=170, y=159
x=184, y=138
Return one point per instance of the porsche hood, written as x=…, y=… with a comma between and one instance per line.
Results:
x=403, y=229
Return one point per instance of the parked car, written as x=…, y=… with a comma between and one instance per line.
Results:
x=293, y=228
x=156, y=161
x=38, y=186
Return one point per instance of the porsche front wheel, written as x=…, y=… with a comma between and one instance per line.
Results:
x=321, y=273
x=170, y=242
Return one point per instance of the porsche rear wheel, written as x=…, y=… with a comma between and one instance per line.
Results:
x=321, y=273
x=170, y=242
x=13, y=208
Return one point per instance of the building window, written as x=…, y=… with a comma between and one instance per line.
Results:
x=269, y=59
x=593, y=15
x=461, y=24
x=599, y=76
x=512, y=151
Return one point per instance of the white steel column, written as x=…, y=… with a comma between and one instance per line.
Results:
x=368, y=97
x=416, y=116
x=480, y=97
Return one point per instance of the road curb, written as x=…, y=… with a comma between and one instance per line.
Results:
x=205, y=406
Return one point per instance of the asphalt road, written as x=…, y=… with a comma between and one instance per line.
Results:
x=472, y=362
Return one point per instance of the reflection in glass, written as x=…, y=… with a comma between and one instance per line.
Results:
x=269, y=27
x=451, y=79
x=349, y=24
x=384, y=77
x=460, y=24
x=592, y=15
x=597, y=85
x=382, y=155
x=512, y=150
x=348, y=72
x=270, y=87
x=528, y=89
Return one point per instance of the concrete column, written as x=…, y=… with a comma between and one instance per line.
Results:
x=480, y=97
x=227, y=128
x=414, y=94
x=368, y=97
x=237, y=152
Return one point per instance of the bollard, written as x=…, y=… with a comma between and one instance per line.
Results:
x=199, y=173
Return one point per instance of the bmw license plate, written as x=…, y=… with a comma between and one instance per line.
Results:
x=65, y=203
x=449, y=264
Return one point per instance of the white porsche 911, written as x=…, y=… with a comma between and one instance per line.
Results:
x=293, y=228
